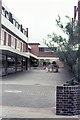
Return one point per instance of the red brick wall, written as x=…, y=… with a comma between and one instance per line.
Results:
x=4, y=38
x=47, y=55
x=27, y=47
x=59, y=63
x=24, y=47
x=34, y=49
x=9, y=40
x=15, y=43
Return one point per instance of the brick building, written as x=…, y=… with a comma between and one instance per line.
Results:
x=44, y=54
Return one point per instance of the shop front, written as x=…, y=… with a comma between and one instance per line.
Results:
x=12, y=63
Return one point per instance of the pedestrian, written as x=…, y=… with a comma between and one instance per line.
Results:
x=44, y=65
x=55, y=67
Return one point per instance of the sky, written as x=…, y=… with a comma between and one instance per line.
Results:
x=40, y=15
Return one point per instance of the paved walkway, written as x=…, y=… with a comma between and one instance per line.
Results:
x=38, y=77
x=39, y=83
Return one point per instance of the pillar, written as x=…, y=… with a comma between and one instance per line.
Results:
x=6, y=65
x=15, y=64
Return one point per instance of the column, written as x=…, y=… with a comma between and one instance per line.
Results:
x=15, y=64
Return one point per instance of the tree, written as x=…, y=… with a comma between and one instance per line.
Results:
x=67, y=48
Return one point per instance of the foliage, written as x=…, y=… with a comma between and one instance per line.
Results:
x=66, y=48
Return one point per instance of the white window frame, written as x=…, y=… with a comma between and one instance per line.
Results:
x=2, y=37
x=18, y=44
x=12, y=41
x=6, y=38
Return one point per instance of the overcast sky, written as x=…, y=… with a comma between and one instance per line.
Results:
x=39, y=15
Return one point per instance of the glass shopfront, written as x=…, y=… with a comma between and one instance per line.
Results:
x=3, y=65
x=24, y=63
x=10, y=64
x=19, y=64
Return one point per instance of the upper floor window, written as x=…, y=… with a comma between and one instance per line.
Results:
x=9, y=40
x=6, y=38
x=18, y=44
x=2, y=37
x=41, y=49
x=12, y=41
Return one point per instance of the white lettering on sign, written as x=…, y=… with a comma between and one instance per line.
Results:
x=8, y=15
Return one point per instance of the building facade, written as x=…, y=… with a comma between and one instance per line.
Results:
x=13, y=44
x=44, y=54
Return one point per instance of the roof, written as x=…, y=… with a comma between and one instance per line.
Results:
x=33, y=43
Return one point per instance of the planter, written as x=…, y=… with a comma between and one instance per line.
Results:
x=68, y=100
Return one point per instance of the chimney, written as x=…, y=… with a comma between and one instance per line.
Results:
x=75, y=11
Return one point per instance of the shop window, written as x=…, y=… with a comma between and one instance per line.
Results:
x=24, y=63
x=19, y=64
x=10, y=64
x=3, y=64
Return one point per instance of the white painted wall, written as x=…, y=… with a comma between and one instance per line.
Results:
x=11, y=27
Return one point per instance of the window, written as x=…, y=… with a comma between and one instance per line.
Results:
x=18, y=45
x=41, y=49
x=12, y=42
x=9, y=39
x=24, y=47
x=15, y=43
x=2, y=37
x=6, y=38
